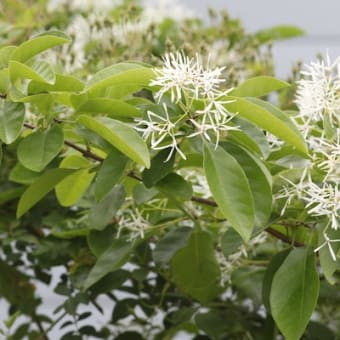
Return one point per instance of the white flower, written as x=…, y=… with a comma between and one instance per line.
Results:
x=324, y=200
x=181, y=74
x=318, y=94
x=161, y=129
x=328, y=242
x=134, y=222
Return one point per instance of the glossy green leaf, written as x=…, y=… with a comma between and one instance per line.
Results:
x=120, y=74
x=267, y=119
x=271, y=270
x=62, y=83
x=110, y=173
x=175, y=187
x=174, y=240
x=120, y=135
x=38, y=44
x=258, y=86
x=158, y=169
x=294, y=292
x=40, y=188
x=109, y=261
x=114, y=108
x=259, y=179
x=22, y=175
x=39, y=71
x=194, y=267
x=102, y=213
x=40, y=147
x=69, y=190
x=230, y=188
x=12, y=116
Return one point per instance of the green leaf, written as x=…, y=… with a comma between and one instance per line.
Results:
x=40, y=147
x=111, y=107
x=258, y=86
x=40, y=188
x=294, y=293
x=5, y=55
x=120, y=135
x=175, y=187
x=259, y=179
x=194, y=268
x=69, y=190
x=62, y=83
x=266, y=117
x=22, y=175
x=100, y=240
x=213, y=323
x=278, y=33
x=38, y=44
x=12, y=116
x=230, y=188
x=109, y=261
x=327, y=263
x=102, y=213
x=120, y=74
x=174, y=240
x=158, y=169
x=271, y=270
x=110, y=172
x=141, y=194
x=231, y=241
x=39, y=71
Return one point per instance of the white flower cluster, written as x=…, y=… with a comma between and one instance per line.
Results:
x=318, y=100
x=188, y=82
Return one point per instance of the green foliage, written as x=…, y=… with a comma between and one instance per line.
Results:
x=159, y=187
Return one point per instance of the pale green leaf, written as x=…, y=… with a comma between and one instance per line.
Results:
x=120, y=135
x=40, y=188
x=40, y=147
x=12, y=117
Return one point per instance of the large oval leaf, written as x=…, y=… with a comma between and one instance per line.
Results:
x=38, y=44
x=259, y=179
x=258, y=86
x=194, y=267
x=230, y=188
x=40, y=188
x=39, y=148
x=73, y=187
x=294, y=293
x=12, y=116
x=120, y=135
x=111, y=107
x=267, y=119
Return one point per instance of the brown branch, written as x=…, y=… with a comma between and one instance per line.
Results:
x=283, y=237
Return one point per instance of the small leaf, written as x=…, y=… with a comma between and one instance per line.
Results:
x=102, y=213
x=121, y=136
x=40, y=188
x=100, y=240
x=258, y=86
x=194, y=267
x=22, y=175
x=12, y=116
x=110, y=172
x=231, y=241
x=230, y=188
x=69, y=190
x=174, y=240
x=112, y=259
x=158, y=169
x=278, y=33
x=40, y=147
x=294, y=292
